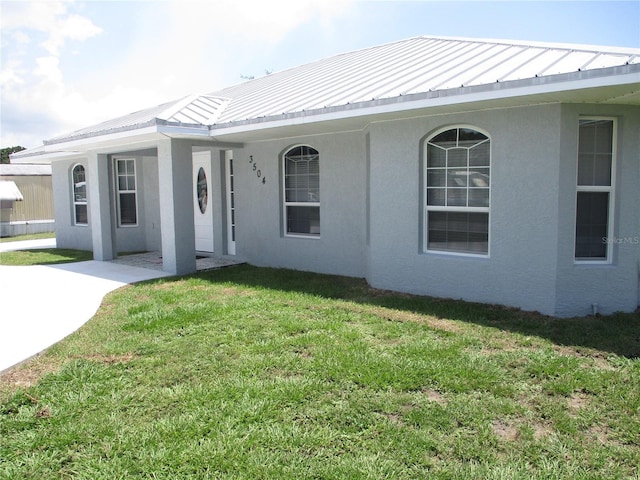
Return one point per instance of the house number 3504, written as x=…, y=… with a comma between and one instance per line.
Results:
x=254, y=167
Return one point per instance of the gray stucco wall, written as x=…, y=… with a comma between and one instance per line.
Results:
x=150, y=202
x=260, y=238
x=68, y=235
x=133, y=238
x=520, y=267
x=616, y=286
x=146, y=234
x=532, y=214
x=372, y=221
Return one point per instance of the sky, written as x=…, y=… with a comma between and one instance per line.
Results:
x=65, y=65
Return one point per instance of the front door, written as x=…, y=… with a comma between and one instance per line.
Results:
x=202, y=196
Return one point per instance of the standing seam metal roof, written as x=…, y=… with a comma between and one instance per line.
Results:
x=416, y=65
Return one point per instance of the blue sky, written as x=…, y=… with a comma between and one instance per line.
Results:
x=70, y=64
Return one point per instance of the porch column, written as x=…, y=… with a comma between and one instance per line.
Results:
x=102, y=227
x=176, y=206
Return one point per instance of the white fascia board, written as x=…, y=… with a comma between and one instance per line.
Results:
x=127, y=137
x=192, y=131
x=45, y=158
x=446, y=97
x=89, y=141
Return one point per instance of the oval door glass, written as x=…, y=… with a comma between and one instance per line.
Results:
x=201, y=190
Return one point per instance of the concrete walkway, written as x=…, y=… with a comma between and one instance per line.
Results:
x=27, y=244
x=40, y=305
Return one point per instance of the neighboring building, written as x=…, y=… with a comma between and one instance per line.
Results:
x=33, y=213
x=491, y=171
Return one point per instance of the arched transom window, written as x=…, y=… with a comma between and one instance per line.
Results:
x=302, y=191
x=457, y=191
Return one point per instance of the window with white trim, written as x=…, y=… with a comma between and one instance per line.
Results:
x=458, y=172
x=594, y=192
x=302, y=191
x=79, y=194
x=126, y=194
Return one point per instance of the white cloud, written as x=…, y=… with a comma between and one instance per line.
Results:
x=33, y=88
x=249, y=20
x=48, y=17
x=47, y=69
x=36, y=15
x=72, y=27
x=179, y=47
x=10, y=75
x=206, y=43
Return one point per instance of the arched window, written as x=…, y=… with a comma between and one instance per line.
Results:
x=79, y=193
x=302, y=191
x=458, y=172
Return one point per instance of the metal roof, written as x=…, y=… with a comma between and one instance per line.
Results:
x=416, y=65
x=9, y=169
x=419, y=65
x=9, y=192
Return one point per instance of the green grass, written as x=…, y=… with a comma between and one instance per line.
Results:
x=31, y=236
x=44, y=256
x=249, y=373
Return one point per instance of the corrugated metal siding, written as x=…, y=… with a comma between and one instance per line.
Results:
x=37, y=192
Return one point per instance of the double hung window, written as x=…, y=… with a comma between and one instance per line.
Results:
x=458, y=172
x=126, y=194
x=594, y=196
x=302, y=191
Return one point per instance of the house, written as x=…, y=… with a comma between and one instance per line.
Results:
x=490, y=171
x=29, y=207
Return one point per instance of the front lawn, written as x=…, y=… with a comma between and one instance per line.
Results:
x=29, y=236
x=250, y=373
x=44, y=256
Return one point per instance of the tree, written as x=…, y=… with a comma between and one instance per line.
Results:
x=5, y=152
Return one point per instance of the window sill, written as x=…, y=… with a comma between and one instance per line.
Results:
x=594, y=263
x=445, y=253
x=302, y=235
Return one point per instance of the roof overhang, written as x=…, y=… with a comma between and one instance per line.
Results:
x=614, y=85
x=619, y=85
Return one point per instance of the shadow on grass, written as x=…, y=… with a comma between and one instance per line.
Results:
x=618, y=333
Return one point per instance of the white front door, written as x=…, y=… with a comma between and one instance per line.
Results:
x=202, y=197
